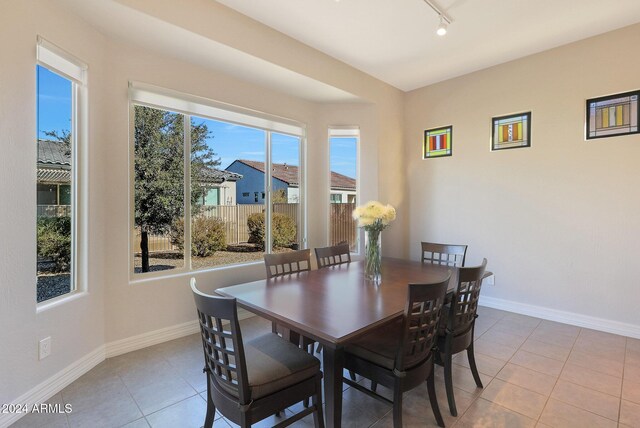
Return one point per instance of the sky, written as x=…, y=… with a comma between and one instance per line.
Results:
x=228, y=141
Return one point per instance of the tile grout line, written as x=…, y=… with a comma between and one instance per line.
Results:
x=477, y=397
x=624, y=364
x=537, y=420
x=579, y=408
x=559, y=375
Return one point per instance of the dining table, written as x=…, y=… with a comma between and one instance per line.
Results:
x=336, y=305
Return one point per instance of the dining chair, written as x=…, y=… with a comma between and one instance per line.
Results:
x=249, y=381
x=443, y=254
x=399, y=355
x=282, y=264
x=334, y=255
x=457, y=327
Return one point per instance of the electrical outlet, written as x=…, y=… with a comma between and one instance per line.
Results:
x=490, y=280
x=45, y=347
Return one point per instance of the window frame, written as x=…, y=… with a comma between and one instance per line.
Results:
x=66, y=65
x=344, y=132
x=193, y=106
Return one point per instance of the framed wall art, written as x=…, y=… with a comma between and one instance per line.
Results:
x=438, y=142
x=613, y=115
x=511, y=132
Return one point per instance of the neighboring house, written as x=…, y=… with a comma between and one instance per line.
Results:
x=54, y=181
x=250, y=190
x=53, y=178
x=220, y=185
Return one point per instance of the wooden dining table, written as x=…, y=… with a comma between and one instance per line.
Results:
x=334, y=306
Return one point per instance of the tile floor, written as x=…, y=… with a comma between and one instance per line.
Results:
x=536, y=374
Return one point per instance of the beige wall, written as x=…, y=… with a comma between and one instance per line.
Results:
x=558, y=221
x=115, y=309
x=77, y=328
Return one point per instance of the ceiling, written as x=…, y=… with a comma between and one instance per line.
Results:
x=395, y=40
x=130, y=25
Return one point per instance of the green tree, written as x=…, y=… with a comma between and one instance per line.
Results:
x=159, y=171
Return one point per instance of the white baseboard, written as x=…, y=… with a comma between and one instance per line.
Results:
x=144, y=340
x=586, y=321
x=56, y=383
x=66, y=376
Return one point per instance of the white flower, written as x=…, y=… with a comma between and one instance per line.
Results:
x=374, y=215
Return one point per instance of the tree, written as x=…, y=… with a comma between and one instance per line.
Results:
x=159, y=171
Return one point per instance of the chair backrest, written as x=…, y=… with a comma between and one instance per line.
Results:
x=420, y=322
x=464, y=306
x=331, y=256
x=223, y=349
x=287, y=263
x=443, y=254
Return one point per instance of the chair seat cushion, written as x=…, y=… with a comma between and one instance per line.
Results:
x=380, y=346
x=274, y=364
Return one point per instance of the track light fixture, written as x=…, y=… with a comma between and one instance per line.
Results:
x=442, y=27
x=444, y=18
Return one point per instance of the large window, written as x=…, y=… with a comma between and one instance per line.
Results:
x=343, y=173
x=212, y=186
x=59, y=79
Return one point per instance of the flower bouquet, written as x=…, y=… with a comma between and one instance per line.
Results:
x=373, y=217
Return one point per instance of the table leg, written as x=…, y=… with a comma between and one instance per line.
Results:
x=333, y=361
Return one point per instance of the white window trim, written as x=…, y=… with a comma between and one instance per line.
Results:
x=191, y=105
x=59, y=61
x=339, y=131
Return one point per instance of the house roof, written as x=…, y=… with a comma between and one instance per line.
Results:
x=54, y=164
x=54, y=175
x=213, y=175
x=53, y=153
x=289, y=174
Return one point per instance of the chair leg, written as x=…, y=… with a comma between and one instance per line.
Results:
x=374, y=385
x=431, y=389
x=397, y=406
x=472, y=364
x=211, y=411
x=319, y=348
x=316, y=399
x=448, y=383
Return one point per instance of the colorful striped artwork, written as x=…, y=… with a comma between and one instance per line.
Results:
x=437, y=142
x=613, y=115
x=510, y=132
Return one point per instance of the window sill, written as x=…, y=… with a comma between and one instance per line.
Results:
x=59, y=301
x=155, y=276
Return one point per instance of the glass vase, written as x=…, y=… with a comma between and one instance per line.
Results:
x=373, y=256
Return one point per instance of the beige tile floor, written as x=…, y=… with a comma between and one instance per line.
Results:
x=536, y=374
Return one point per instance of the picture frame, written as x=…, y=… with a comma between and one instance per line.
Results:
x=612, y=115
x=512, y=131
x=438, y=142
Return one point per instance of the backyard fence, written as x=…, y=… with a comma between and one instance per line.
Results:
x=343, y=227
x=235, y=223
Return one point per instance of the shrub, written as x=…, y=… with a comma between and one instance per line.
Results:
x=283, y=230
x=207, y=236
x=54, y=241
x=255, y=223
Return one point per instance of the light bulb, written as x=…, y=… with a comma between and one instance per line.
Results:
x=442, y=28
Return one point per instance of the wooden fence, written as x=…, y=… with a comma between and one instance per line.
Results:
x=343, y=227
x=235, y=220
